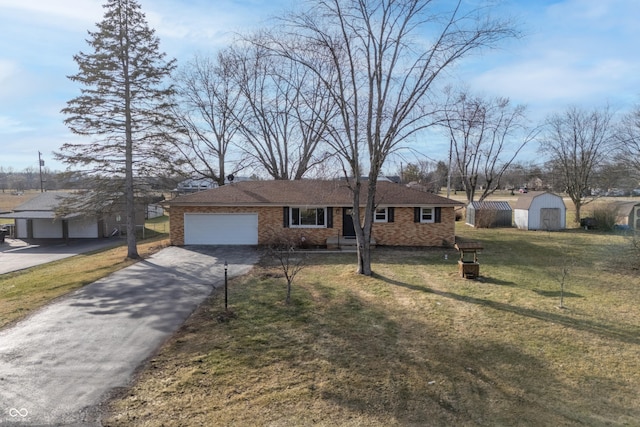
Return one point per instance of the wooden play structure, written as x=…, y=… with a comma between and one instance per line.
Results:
x=468, y=264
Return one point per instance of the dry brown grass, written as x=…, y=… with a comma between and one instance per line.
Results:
x=9, y=201
x=413, y=345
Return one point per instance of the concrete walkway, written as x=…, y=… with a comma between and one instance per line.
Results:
x=58, y=364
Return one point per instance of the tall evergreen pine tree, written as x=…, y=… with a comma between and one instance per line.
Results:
x=125, y=106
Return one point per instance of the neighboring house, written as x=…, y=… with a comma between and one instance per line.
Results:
x=489, y=214
x=540, y=210
x=36, y=219
x=193, y=185
x=628, y=214
x=313, y=212
x=535, y=184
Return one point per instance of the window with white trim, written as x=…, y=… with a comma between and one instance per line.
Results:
x=381, y=215
x=308, y=217
x=427, y=215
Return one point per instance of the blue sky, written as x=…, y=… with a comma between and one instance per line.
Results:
x=575, y=52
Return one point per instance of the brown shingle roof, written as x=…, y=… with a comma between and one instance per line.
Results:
x=308, y=193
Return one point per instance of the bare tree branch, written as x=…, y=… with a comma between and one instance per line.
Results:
x=378, y=61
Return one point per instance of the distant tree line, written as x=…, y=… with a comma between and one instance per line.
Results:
x=29, y=179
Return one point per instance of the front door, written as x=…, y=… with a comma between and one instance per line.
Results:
x=348, y=230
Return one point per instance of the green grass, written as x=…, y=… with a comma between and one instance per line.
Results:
x=157, y=226
x=413, y=345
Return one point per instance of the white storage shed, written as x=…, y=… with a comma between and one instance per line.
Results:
x=540, y=210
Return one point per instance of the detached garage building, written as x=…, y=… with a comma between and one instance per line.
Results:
x=38, y=219
x=540, y=210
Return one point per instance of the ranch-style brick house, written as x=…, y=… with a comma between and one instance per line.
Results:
x=313, y=212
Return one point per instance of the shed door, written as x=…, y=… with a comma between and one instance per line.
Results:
x=221, y=229
x=550, y=218
x=636, y=216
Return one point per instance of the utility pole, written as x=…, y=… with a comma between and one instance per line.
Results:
x=41, y=163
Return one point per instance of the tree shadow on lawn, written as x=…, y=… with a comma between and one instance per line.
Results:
x=557, y=294
x=163, y=292
x=433, y=376
x=630, y=334
x=491, y=281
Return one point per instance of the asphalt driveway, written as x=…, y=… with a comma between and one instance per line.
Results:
x=60, y=363
x=18, y=254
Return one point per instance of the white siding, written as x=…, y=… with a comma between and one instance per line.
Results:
x=521, y=218
x=21, y=229
x=531, y=219
x=545, y=200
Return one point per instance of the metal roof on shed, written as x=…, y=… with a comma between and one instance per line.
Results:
x=490, y=206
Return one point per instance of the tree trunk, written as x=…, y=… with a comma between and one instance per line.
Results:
x=129, y=192
x=578, y=206
x=363, y=230
x=364, y=258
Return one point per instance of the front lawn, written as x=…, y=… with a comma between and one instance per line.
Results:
x=413, y=345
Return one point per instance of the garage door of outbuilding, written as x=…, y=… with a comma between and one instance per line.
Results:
x=220, y=229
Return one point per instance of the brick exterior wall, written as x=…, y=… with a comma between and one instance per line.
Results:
x=402, y=232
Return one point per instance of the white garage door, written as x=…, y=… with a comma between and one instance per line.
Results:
x=220, y=229
x=83, y=228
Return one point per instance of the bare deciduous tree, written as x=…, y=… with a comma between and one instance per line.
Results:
x=209, y=111
x=577, y=141
x=291, y=262
x=628, y=141
x=286, y=111
x=378, y=61
x=486, y=136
